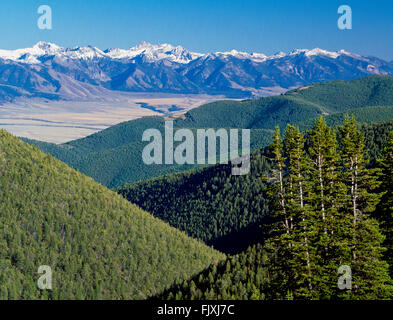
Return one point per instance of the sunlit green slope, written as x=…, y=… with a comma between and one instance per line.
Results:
x=97, y=244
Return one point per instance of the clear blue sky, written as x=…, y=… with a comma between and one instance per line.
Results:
x=265, y=26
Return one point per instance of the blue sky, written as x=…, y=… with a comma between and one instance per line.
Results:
x=265, y=26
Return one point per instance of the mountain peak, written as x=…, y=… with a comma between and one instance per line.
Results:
x=44, y=48
x=46, y=45
x=256, y=57
x=143, y=45
x=154, y=52
x=321, y=52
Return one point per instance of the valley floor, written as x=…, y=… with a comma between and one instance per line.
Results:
x=62, y=121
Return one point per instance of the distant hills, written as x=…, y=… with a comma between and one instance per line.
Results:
x=51, y=72
x=113, y=156
x=98, y=245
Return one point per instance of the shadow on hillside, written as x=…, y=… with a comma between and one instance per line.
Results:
x=239, y=241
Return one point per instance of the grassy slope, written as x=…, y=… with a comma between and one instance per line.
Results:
x=97, y=244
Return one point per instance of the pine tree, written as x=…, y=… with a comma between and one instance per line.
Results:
x=298, y=166
x=370, y=276
x=278, y=189
x=357, y=177
x=321, y=204
x=324, y=157
x=280, y=242
x=290, y=234
x=384, y=212
x=327, y=198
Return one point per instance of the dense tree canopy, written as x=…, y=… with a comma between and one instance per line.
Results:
x=98, y=245
x=322, y=204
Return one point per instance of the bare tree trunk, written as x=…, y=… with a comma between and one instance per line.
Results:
x=322, y=189
x=333, y=204
x=282, y=196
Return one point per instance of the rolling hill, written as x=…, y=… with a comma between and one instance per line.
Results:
x=113, y=156
x=209, y=204
x=223, y=210
x=98, y=245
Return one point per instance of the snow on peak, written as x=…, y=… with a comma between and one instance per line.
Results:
x=310, y=53
x=350, y=54
x=32, y=55
x=260, y=57
x=297, y=51
x=84, y=53
x=150, y=52
x=154, y=52
x=47, y=47
x=144, y=44
x=321, y=52
x=257, y=57
x=278, y=55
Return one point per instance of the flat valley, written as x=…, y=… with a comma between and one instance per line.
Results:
x=62, y=121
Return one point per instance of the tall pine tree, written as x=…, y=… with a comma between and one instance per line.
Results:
x=321, y=202
x=385, y=208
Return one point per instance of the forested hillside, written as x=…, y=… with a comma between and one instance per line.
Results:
x=365, y=115
x=98, y=245
x=113, y=156
x=221, y=209
x=328, y=211
x=210, y=204
x=245, y=276
x=295, y=106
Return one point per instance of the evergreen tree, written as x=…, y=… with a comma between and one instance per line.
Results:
x=321, y=205
x=370, y=276
x=324, y=202
x=290, y=234
x=360, y=181
x=385, y=208
x=278, y=189
x=298, y=166
x=324, y=157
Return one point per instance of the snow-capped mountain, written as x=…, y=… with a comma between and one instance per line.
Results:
x=50, y=71
x=154, y=53
x=42, y=49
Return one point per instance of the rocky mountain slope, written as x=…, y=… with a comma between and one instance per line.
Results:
x=49, y=71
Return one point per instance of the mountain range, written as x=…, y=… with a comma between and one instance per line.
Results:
x=51, y=72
